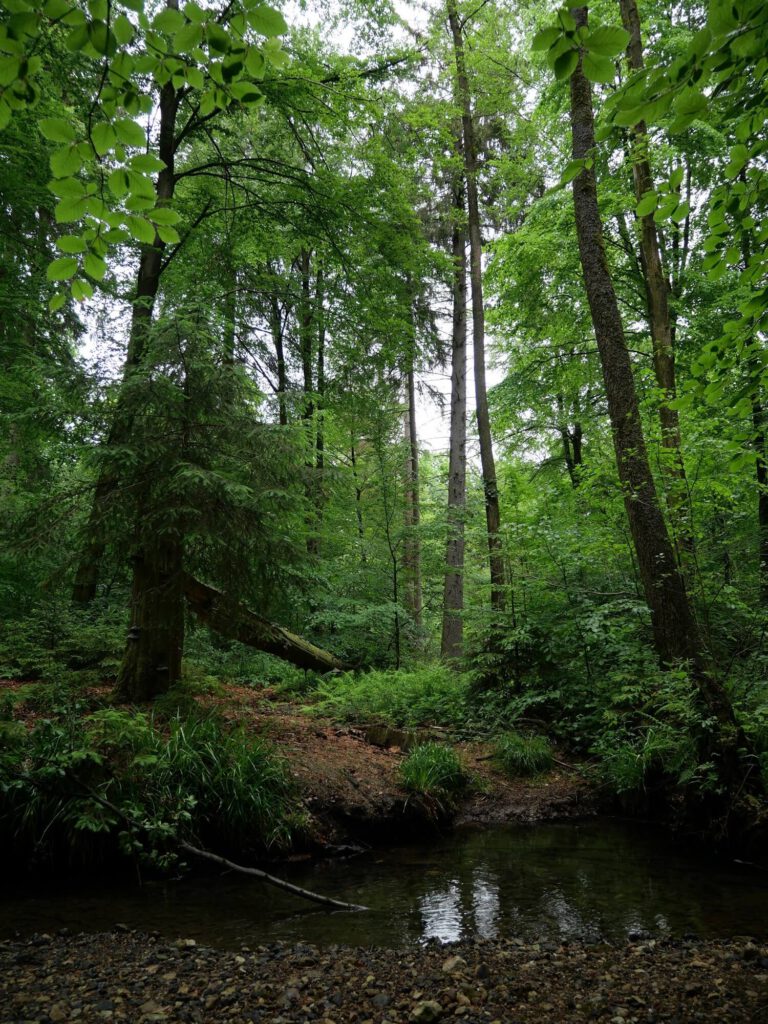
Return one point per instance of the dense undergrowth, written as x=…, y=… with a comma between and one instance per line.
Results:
x=84, y=785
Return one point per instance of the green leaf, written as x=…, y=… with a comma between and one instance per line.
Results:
x=102, y=38
x=598, y=69
x=56, y=129
x=57, y=301
x=164, y=215
x=676, y=178
x=565, y=64
x=255, y=63
x=81, y=289
x=130, y=133
x=66, y=162
x=546, y=38
x=195, y=78
x=94, y=266
x=67, y=188
x=647, y=204
x=607, y=41
x=267, y=21
x=123, y=30
x=141, y=230
x=147, y=163
x=70, y=244
x=168, y=20
x=566, y=19
x=168, y=234
x=188, y=37
x=61, y=269
x=119, y=182
x=103, y=137
x=218, y=40
x=572, y=170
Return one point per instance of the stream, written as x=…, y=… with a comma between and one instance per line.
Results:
x=600, y=879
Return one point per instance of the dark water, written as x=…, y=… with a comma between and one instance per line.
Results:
x=602, y=879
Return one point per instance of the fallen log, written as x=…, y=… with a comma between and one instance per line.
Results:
x=233, y=620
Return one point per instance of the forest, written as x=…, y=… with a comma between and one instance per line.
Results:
x=384, y=426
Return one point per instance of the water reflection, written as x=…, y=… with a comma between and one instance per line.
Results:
x=601, y=879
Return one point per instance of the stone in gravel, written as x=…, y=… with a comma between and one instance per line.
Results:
x=454, y=964
x=381, y=1000
x=427, y=1011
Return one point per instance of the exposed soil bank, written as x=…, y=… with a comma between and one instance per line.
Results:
x=136, y=978
x=351, y=788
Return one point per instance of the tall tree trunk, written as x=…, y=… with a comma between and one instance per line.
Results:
x=147, y=286
x=675, y=631
x=452, y=641
x=487, y=462
x=319, y=484
x=657, y=295
x=412, y=548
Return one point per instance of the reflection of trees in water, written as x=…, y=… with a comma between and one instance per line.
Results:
x=568, y=882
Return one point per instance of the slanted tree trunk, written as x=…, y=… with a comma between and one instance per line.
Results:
x=487, y=461
x=675, y=632
x=147, y=286
x=412, y=513
x=452, y=641
x=657, y=296
x=233, y=620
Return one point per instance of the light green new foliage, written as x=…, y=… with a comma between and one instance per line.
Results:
x=523, y=755
x=430, y=695
x=433, y=770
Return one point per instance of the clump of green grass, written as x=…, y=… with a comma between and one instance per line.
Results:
x=518, y=754
x=434, y=771
x=433, y=695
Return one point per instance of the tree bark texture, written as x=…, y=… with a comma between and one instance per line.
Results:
x=487, y=461
x=657, y=296
x=452, y=641
x=235, y=621
x=675, y=632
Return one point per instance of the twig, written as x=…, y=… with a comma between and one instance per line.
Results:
x=279, y=883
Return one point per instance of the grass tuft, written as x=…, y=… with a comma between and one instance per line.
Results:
x=518, y=754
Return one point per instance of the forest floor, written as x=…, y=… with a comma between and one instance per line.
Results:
x=128, y=976
x=348, y=776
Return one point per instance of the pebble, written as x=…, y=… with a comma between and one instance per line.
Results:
x=127, y=978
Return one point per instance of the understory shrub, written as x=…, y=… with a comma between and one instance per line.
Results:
x=81, y=788
x=433, y=695
x=518, y=754
x=433, y=770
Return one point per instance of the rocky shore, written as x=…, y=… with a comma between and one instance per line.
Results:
x=139, y=978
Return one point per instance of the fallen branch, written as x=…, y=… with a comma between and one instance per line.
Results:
x=279, y=883
x=233, y=620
